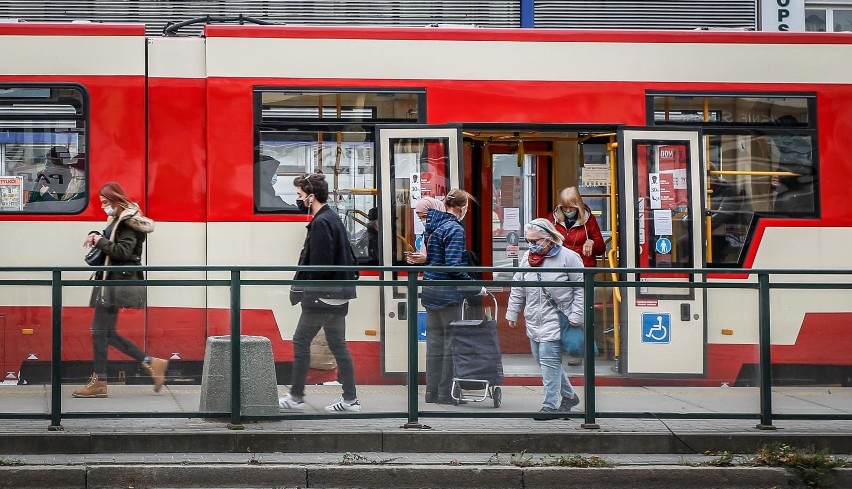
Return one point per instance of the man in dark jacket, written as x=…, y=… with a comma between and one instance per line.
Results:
x=327, y=243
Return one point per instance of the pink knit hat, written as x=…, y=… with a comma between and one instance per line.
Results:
x=426, y=203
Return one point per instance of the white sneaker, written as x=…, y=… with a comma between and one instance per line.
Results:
x=287, y=403
x=341, y=405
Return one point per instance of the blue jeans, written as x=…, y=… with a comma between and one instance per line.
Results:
x=548, y=354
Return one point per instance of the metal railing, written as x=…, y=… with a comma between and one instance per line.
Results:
x=409, y=278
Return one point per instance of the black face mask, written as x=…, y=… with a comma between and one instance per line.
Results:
x=300, y=204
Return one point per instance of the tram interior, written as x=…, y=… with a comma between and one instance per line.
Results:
x=517, y=175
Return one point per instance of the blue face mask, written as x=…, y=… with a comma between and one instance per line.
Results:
x=538, y=249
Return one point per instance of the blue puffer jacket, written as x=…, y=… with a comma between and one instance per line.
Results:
x=445, y=247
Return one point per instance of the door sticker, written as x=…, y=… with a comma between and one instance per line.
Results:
x=656, y=327
x=663, y=246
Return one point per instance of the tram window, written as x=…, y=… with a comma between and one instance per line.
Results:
x=42, y=149
x=303, y=131
x=760, y=161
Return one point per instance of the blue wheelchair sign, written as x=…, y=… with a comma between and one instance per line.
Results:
x=656, y=327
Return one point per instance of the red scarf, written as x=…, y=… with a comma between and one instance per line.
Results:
x=535, y=259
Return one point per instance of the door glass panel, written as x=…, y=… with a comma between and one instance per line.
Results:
x=420, y=167
x=663, y=220
x=512, y=205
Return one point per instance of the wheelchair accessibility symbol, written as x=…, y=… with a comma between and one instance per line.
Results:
x=656, y=327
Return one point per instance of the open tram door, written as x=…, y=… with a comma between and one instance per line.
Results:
x=415, y=162
x=661, y=215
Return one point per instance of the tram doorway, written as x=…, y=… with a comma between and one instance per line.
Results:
x=515, y=176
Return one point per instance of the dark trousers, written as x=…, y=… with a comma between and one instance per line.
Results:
x=334, y=324
x=104, y=335
x=439, y=355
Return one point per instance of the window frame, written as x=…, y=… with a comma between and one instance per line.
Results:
x=84, y=115
x=313, y=125
x=766, y=130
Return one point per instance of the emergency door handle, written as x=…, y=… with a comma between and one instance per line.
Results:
x=402, y=311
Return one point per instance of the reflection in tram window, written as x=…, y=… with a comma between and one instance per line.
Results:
x=303, y=131
x=42, y=150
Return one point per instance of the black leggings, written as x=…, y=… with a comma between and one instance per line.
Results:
x=104, y=335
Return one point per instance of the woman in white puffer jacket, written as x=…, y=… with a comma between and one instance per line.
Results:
x=542, y=319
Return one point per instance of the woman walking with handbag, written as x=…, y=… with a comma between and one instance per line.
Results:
x=546, y=308
x=121, y=243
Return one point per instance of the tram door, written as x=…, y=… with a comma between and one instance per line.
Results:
x=416, y=162
x=663, y=228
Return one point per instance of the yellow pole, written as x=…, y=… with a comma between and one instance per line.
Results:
x=708, y=222
x=611, y=256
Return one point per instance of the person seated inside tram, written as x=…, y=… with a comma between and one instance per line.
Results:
x=58, y=183
x=373, y=236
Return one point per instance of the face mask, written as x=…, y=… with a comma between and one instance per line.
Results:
x=110, y=210
x=572, y=215
x=464, y=214
x=538, y=249
x=303, y=206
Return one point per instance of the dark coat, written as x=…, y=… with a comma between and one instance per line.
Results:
x=123, y=246
x=327, y=243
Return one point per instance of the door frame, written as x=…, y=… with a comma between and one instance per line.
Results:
x=629, y=257
x=393, y=299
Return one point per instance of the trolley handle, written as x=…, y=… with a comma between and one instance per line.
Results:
x=493, y=300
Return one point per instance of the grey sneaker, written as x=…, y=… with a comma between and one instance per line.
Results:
x=568, y=403
x=546, y=409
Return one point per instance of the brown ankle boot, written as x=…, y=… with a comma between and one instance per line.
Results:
x=157, y=369
x=94, y=388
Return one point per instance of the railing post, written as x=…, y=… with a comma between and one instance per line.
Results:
x=411, y=307
x=765, y=359
x=589, y=365
x=56, y=352
x=236, y=370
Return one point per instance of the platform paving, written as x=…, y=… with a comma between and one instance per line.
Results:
x=502, y=450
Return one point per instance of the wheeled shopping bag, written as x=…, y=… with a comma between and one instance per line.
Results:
x=477, y=362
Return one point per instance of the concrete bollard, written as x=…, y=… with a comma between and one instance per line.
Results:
x=258, y=382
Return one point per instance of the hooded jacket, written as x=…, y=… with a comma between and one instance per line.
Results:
x=123, y=243
x=445, y=247
x=541, y=318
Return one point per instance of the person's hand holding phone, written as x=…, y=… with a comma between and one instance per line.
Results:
x=415, y=258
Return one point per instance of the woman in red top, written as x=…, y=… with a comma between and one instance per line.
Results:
x=578, y=226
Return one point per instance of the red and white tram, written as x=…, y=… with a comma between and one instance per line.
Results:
x=694, y=149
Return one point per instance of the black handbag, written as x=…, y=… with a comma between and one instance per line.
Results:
x=95, y=257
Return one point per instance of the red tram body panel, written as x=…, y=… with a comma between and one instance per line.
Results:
x=179, y=122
